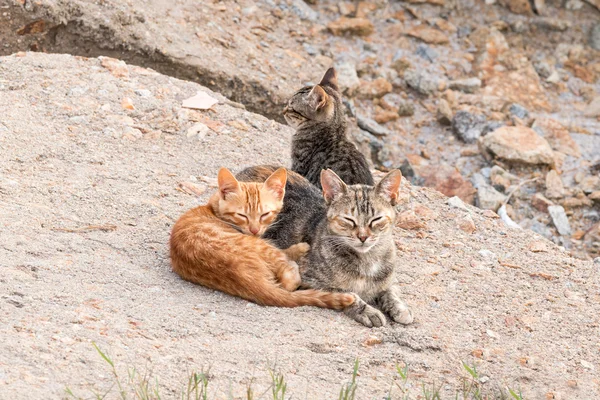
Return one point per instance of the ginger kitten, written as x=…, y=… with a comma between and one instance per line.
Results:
x=218, y=245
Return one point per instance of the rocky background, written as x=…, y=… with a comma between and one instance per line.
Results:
x=494, y=104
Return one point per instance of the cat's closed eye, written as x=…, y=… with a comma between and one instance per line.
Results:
x=348, y=222
x=265, y=215
x=242, y=216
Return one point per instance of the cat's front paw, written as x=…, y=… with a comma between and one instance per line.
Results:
x=371, y=317
x=401, y=314
x=365, y=314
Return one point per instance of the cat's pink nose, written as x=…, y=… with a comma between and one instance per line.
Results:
x=363, y=238
x=254, y=230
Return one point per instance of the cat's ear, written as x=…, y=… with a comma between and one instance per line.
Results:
x=227, y=183
x=330, y=79
x=318, y=97
x=333, y=186
x=276, y=183
x=389, y=186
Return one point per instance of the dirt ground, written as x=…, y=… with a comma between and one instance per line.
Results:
x=97, y=161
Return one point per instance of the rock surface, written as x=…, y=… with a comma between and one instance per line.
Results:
x=84, y=258
x=518, y=144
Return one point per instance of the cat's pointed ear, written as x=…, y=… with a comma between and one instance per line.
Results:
x=318, y=97
x=330, y=79
x=389, y=186
x=333, y=186
x=276, y=183
x=227, y=183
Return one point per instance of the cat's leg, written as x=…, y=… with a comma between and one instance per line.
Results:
x=288, y=276
x=367, y=315
x=390, y=302
x=297, y=251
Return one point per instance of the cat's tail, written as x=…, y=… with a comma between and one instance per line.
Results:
x=310, y=297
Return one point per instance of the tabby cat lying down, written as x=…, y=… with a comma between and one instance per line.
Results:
x=218, y=245
x=349, y=229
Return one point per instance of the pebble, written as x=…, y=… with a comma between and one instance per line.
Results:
x=351, y=27
x=560, y=220
x=557, y=136
x=518, y=144
x=198, y=129
x=552, y=24
x=518, y=111
x=421, y=81
x=541, y=203
x=467, y=126
x=426, y=52
x=406, y=108
x=347, y=77
x=467, y=224
x=428, y=35
x=371, y=126
x=593, y=109
x=554, y=186
x=595, y=37
x=456, y=202
x=574, y=5
x=468, y=85
x=489, y=198
x=374, y=89
x=444, y=112
x=143, y=92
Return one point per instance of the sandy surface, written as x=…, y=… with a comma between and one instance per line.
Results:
x=73, y=159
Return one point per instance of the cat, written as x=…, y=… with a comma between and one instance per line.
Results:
x=349, y=230
x=320, y=141
x=219, y=246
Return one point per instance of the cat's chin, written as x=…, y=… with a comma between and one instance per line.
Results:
x=363, y=249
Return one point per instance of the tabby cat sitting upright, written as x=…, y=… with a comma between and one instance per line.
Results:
x=350, y=235
x=218, y=245
x=320, y=141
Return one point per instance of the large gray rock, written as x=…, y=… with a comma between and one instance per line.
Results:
x=560, y=220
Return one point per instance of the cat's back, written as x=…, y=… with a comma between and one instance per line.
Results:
x=303, y=207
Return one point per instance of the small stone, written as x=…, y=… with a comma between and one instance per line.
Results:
x=116, y=67
x=593, y=109
x=447, y=180
x=456, y=202
x=371, y=126
x=468, y=127
x=518, y=111
x=143, y=92
x=539, y=202
x=374, y=89
x=127, y=104
x=444, y=112
x=518, y=6
x=406, y=108
x=428, y=35
x=466, y=224
x=538, y=246
x=557, y=136
x=468, y=85
x=192, y=188
x=587, y=365
x=426, y=52
x=197, y=130
x=383, y=116
x=574, y=5
x=552, y=24
x=489, y=198
x=554, y=186
x=595, y=196
x=421, y=81
x=347, y=78
x=560, y=220
x=501, y=179
x=595, y=37
x=132, y=133
x=518, y=144
x=553, y=78
x=410, y=221
x=400, y=63
x=351, y=27
x=590, y=184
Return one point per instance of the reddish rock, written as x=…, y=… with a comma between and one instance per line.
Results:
x=351, y=27
x=518, y=144
x=518, y=6
x=410, y=221
x=467, y=224
x=557, y=136
x=554, y=186
x=595, y=196
x=374, y=89
x=382, y=116
x=447, y=180
x=539, y=202
x=428, y=35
